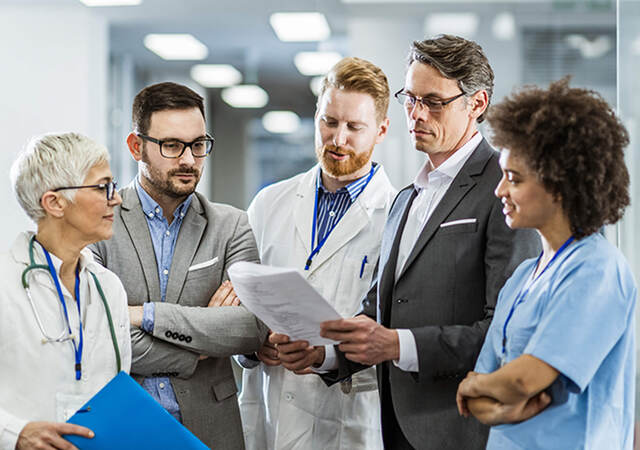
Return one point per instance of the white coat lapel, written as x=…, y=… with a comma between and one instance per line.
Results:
x=357, y=217
x=303, y=211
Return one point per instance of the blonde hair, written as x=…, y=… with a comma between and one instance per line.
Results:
x=359, y=75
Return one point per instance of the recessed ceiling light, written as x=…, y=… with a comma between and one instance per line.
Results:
x=280, y=122
x=111, y=2
x=315, y=84
x=299, y=27
x=176, y=46
x=216, y=75
x=245, y=96
x=315, y=63
x=460, y=24
x=504, y=26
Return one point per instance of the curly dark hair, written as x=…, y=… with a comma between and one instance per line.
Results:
x=573, y=141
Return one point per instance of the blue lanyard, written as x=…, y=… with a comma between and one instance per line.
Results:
x=525, y=290
x=316, y=249
x=77, y=349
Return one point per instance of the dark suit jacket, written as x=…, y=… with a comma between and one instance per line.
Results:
x=445, y=295
x=211, y=238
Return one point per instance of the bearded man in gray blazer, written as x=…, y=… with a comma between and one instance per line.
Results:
x=171, y=248
x=445, y=254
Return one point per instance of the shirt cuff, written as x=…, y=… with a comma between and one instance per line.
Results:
x=330, y=360
x=247, y=361
x=148, y=317
x=408, y=360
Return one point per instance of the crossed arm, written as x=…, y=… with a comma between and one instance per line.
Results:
x=511, y=394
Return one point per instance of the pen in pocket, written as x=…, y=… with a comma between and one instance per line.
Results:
x=364, y=261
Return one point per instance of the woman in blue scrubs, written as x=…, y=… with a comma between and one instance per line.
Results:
x=557, y=369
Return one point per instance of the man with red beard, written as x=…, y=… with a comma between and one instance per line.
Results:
x=327, y=222
x=171, y=248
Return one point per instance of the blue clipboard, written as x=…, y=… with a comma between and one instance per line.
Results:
x=124, y=416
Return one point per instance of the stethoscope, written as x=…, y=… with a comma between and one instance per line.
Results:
x=66, y=334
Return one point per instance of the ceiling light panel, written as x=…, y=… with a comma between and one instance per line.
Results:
x=460, y=24
x=245, y=96
x=281, y=122
x=315, y=63
x=176, y=46
x=111, y=2
x=216, y=75
x=300, y=27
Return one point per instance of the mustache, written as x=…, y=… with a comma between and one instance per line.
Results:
x=337, y=149
x=184, y=171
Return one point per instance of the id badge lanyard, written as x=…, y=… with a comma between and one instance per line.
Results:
x=524, y=291
x=315, y=249
x=77, y=348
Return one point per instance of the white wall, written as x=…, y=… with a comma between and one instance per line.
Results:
x=53, y=78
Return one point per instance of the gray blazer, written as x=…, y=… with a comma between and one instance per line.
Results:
x=445, y=295
x=183, y=328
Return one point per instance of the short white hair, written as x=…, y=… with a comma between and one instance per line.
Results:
x=52, y=161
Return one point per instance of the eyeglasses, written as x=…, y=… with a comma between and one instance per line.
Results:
x=409, y=101
x=174, y=148
x=109, y=188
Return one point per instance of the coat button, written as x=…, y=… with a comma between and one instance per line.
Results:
x=187, y=339
x=175, y=335
x=181, y=337
x=167, y=333
x=289, y=396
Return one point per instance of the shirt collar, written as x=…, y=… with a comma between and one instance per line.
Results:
x=450, y=167
x=354, y=188
x=151, y=208
x=20, y=252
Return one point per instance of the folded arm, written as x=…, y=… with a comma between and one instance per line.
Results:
x=513, y=393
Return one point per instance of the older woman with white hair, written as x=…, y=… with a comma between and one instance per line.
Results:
x=64, y=326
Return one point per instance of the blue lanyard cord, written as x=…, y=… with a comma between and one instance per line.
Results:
x=316, y=249
x=77, y=349
x=525, y=290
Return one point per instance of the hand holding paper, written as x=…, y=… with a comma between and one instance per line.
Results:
x=283, y=300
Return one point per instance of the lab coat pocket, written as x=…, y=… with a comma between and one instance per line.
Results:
x=68, y=404
x=355, y=280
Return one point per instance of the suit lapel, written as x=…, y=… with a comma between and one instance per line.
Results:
x=389, y=249
x=136, y=224
x=189, y=236
x=460, y=186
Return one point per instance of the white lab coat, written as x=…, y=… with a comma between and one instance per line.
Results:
x=37, y=380
x=281, y=410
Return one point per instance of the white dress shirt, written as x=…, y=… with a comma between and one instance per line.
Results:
x=431, y=184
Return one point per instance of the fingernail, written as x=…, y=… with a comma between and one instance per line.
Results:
x=91, y=434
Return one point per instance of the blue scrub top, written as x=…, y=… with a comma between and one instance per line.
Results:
x=578, y=317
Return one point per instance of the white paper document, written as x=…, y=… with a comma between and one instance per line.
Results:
x=283, y=300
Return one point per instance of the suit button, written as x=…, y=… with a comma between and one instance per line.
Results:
x=167, y=333
x=175, y=335
x=402, y=300
x=289, y=396
x=181, y=337
x=187, y=339
x=366, y=303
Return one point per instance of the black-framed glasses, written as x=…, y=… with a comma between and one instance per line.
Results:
x=409, y=101
x=109, y=188
x=175, y=148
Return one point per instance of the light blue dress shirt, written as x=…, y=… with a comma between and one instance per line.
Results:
x=163, y=237
x=577, y=317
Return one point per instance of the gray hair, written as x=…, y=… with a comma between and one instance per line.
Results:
x=51, y=161
x=458, y=59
